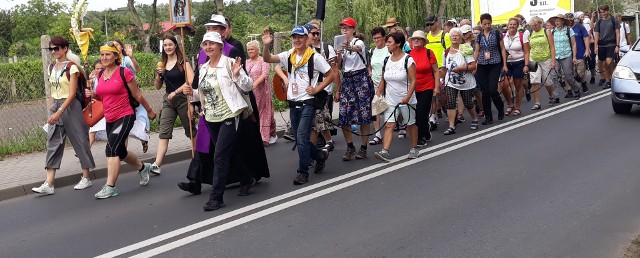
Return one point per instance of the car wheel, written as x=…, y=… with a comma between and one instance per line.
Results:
x=621, y=108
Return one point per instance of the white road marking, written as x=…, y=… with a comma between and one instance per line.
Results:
x=473, y=138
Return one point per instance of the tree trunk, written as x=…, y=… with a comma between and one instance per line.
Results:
x=427, y=6
x=219, y=6
x=138, y=23
x=443, y=4
x=153, y=27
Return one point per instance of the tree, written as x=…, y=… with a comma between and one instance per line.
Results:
x=145, y=35
x=33, y=18
x=6, y=25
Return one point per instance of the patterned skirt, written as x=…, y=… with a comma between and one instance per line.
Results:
x=356, y=94
x=322, y=122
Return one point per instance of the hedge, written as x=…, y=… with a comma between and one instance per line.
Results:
x=29, y=78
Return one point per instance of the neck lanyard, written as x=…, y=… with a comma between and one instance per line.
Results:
x=57, y=74
x=485, y=41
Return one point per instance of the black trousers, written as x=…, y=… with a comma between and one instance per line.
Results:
x=423, y=110
x=223, y=137
x=488, y=76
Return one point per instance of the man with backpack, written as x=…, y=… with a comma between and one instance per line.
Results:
x=304, y=94
x=625, y=31
x=607, y=39
x=581, y=37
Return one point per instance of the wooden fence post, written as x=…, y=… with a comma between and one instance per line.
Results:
x=46, y=60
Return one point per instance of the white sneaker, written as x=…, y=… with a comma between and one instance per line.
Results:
x=144, y=174
x=106, y=192
x=273, y=139
x=155, y=169
x=83, y=184
x=44, y=189
x=413, y=153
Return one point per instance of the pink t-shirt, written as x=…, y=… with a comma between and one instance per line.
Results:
x=114, y=96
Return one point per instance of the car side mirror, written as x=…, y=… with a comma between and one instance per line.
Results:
x=625, y=49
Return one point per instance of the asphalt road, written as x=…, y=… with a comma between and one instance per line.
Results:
x=562, y=182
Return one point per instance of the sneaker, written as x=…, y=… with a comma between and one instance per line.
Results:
x=289, y=137
x=329, y=146
x=273, y=139
x=192, y=187
x=155, y=169
x=213, y=205
x=576, y=95
x=106, y=192
x=244, y=189
x=601, y=83
x=382, y=155
x=349, y=154
x=83, y=184
x=422, y=142
x=593, y=80
x=319, y=168
x=585, y=89
x=413, y=153
x=568, y=95
x=300, y=179
x=144, y=174
x=362, y=154
x=606, y=85
x=402, y=134
x=44, y=189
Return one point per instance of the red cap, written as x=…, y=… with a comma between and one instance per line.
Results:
x=349, y=22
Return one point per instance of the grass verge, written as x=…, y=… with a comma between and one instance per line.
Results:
x=29, y=141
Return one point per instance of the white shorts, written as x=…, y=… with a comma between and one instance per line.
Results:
x=408, y=114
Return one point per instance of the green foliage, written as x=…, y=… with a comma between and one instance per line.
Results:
x=34, y=18
x=30, y=141
x=28, y=78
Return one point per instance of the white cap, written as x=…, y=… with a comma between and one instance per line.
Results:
x=465, y=28
x=578, y=15
x=586, y=21
x=211, y=36
x=216, y=20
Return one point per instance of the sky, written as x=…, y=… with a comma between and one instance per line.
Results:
x=94, y=5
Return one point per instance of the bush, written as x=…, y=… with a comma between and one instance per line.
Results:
x=28, y=78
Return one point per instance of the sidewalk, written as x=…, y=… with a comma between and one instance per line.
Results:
x=20, y=173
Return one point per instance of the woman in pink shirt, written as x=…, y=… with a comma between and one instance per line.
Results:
x=120, y=95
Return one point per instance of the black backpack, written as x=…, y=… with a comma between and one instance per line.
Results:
x=132, y=101
x=82, y=82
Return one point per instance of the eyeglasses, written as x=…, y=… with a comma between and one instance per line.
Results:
x=345, y=28
x=315, y=33
x=376, y=38
x=53, y=49
x=430, y=24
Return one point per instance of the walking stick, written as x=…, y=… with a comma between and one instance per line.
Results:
x=189, y=107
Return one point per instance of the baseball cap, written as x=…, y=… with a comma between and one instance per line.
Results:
x=349, y=22
x=216, y=20
x=299, y=30
x=465, y=28
x=212, y=36
x=431, y=20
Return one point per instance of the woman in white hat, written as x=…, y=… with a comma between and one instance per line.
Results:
x=427, y=83
x=221, y=80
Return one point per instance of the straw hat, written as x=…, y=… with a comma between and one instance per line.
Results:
x=418, y=34
x=560, y=16
x=390, y=22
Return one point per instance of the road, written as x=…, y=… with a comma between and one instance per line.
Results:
x=561, y=182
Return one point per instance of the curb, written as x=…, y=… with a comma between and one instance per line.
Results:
x=97, y=173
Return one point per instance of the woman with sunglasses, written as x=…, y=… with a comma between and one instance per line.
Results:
x=65, y=117
x=116, y=95
x=356, y=92
x=174, y=74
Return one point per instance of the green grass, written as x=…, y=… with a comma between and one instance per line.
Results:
x=30, y=141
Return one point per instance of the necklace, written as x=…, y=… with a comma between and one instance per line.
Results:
x=104, y=75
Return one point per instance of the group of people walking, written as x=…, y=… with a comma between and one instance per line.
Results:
x=415, y=77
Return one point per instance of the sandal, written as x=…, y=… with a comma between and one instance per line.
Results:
x=536, y=107
x=145, y=146
x=516, y=112
x=509, y=110
x=375, y=141
x=450, y=131
x=474, y=125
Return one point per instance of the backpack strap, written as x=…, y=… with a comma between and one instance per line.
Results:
x=325, y=50
x=364, y=61
x=406, y=68
x=521, y=35
x=310, y=68
x=444, y=44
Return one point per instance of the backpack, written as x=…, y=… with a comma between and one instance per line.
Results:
x=406, y=62
x=320, y=99
x=132, y=101
x=325, y=52
x=444, y=44
x=82, y=82
x=520, y=34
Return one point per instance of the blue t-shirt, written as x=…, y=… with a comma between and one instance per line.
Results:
x=580, y=33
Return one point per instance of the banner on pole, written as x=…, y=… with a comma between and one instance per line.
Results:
x=180, y=12
x=502, y=10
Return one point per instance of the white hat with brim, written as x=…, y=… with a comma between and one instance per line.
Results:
x=217, y=20
x=418, y=34
x=211, y=36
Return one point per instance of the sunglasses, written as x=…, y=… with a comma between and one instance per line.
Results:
x=315, y=33
x=53, y=49
x=108, y=43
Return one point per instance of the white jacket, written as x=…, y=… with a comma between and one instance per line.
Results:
x=230, y=92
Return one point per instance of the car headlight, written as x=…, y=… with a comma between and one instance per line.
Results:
x=623, y=72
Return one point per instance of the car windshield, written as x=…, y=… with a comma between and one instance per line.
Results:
x=636, y=47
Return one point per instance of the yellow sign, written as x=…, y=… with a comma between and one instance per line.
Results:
x=502, y=10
